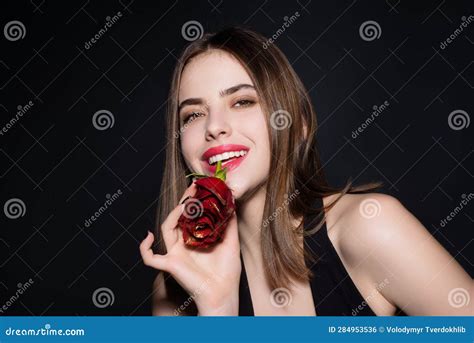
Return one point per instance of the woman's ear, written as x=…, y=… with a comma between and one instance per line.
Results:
x=305, y=131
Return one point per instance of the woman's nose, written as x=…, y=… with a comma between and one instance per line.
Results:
x=217, y=126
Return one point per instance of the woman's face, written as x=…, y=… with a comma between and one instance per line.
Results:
x=221, y=119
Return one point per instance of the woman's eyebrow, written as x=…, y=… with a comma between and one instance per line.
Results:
x=223, y=93
x=235, y=88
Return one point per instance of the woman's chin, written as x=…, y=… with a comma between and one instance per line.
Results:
x=236, y=187
x=242, y=190
x=235, y=191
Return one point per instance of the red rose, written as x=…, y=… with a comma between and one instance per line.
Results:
x=207, y=213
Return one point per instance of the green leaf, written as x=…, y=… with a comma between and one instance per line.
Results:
x=220, y=175
x=196, y=174
x=220, y=172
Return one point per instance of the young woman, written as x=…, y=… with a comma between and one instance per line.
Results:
x=295, y=245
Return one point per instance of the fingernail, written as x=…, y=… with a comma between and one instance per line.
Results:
x=148, y=234
x=182, y=202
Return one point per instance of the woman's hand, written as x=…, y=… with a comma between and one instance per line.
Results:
x=211, y=275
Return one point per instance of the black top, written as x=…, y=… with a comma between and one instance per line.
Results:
x=334, y=292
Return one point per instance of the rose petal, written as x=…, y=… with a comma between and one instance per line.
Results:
x=218, y=188
x=218, y=206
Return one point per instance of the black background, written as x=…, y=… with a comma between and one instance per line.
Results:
x=62, y=168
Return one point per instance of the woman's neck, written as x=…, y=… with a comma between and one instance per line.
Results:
x=249, y=217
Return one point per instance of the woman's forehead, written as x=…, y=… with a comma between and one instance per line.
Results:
x=209, y=73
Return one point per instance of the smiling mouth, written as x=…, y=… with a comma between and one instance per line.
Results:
x=226, y=157
x=229, y=160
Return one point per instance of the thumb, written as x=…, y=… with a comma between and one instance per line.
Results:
x=232, y=232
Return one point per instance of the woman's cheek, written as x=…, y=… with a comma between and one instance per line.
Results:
x=186, y=149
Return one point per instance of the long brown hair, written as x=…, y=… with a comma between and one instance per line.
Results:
x=295, y=164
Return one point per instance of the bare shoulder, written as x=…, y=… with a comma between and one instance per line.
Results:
x=370, y=218
x=159, y=288
x=168, y=298
x=378, y=236
x=161, y=303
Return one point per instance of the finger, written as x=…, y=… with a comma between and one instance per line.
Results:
x=189, y=192
x=172, y=220
x=170, y=235
x=231, y=234
x=167, y=227
x=149, y=258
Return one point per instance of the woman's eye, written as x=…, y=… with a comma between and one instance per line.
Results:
x=191, y=117
x=244, y=103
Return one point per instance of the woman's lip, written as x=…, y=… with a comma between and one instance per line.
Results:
x=230, y=165
x=221, y=149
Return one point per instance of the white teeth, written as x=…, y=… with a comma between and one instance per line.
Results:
x=226, y=155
